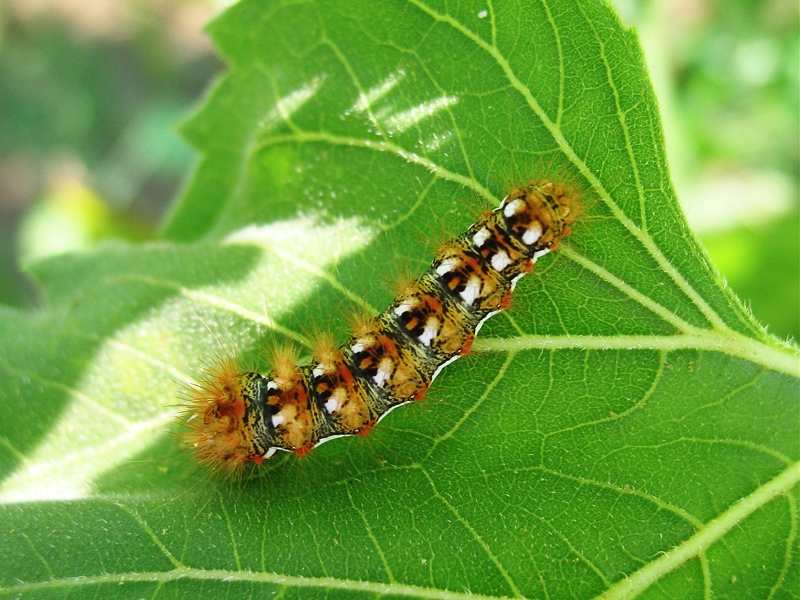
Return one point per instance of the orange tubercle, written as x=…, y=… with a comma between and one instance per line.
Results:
x=303, y=450
x=364, y=431
x=467, y=345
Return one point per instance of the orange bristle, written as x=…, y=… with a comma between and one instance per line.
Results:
x=325, y=348
x=283, y=358
x=214, y=409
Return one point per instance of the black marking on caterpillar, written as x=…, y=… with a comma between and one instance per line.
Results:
x=239, y=417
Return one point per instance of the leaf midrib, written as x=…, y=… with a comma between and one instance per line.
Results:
x=729, y=343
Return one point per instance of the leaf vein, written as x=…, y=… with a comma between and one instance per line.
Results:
x=475, y=535
x=712, y=532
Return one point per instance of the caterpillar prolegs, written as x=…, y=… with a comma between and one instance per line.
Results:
x=239, y=417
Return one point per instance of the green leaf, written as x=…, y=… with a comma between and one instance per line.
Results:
x=625, y=428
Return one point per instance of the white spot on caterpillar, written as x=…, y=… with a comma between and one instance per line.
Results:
x=532, y=235
x=271, y=385
x=384, y=372
x=404, y=307
x=332, y=403
x=359, y=345
x=500, y=260
x=318, y=371
x=479, y=239
x=513, y=207
x=430, y=332
x=271, y=452
x=447, y=265
x=277, y=420
x=471, y=291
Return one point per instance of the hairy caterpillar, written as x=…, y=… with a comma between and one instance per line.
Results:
x=238, y=417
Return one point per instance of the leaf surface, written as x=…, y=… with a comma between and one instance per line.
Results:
x=626, y=428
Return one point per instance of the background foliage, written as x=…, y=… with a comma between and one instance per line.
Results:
x=90, y=93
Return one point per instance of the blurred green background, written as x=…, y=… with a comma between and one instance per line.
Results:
x=91, y=94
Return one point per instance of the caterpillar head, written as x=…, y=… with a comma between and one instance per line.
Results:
x=224, y=417
x=540, y=214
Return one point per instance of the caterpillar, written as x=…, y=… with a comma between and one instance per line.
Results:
x=235, y=418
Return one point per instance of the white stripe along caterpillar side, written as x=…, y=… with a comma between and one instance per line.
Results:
x=238, y=417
